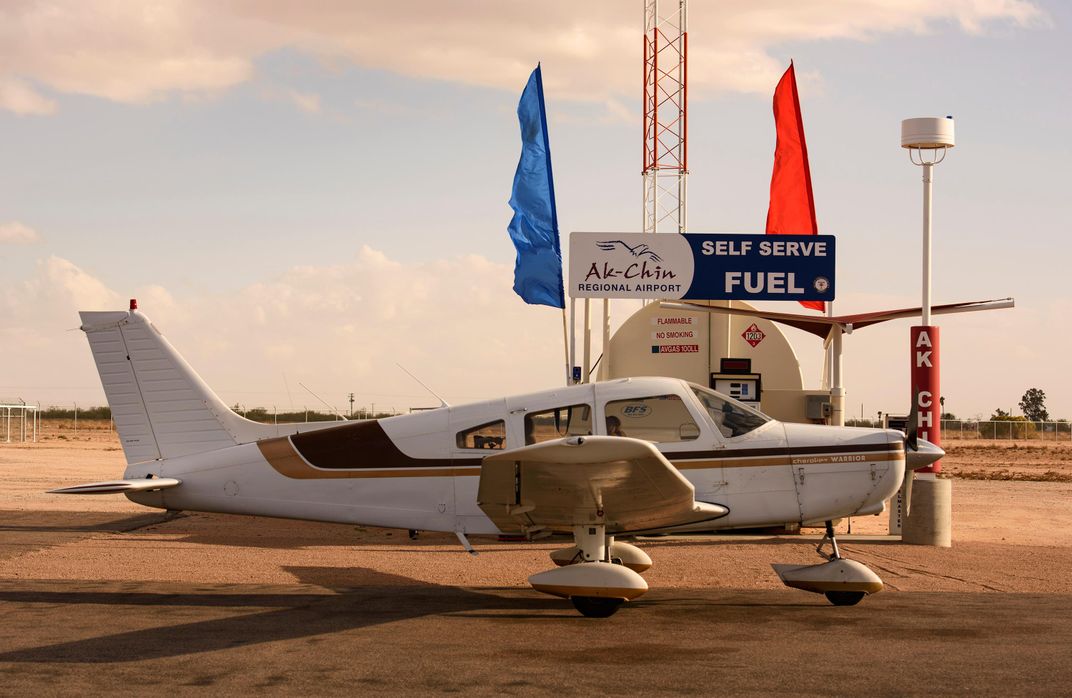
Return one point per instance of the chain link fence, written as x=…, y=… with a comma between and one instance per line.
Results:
x=1006, y=429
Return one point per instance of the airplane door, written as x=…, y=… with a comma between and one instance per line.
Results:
x=671, y=420
x=476, y=431
x=758, y=484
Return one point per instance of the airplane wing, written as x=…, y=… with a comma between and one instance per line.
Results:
x=625, y=483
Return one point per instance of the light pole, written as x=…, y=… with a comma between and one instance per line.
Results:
x=927, y=141
x=929, y=522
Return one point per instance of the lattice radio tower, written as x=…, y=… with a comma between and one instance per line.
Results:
x=665, y=115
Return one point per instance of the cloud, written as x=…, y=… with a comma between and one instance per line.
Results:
x=126, y=52
x=458, y=326
x=306, y=101
x=456, y=323
x=136, y=52
x=61, y=282
x=18, y=97
x=17, y=233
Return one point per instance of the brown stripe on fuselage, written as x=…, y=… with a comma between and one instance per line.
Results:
x=286, y=460
x=369, y=452
x=362, y=445
x=727, y=462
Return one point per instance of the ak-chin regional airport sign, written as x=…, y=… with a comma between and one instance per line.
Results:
x=702, y=266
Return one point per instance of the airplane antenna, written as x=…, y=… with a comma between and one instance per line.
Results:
x=442, y=402
x=290, y=397
x=322, y=401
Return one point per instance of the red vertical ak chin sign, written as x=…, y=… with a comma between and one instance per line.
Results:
x=926, y=384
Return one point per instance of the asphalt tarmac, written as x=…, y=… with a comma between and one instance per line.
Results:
x=125, y=638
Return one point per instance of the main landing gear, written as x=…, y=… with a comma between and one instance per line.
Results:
x=843, y=582
x=590, y=575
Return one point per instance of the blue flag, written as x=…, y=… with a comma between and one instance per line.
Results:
x=534, y=227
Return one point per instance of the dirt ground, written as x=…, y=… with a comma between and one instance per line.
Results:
x=117, y=597
x=109, y=537
x=1032, y=460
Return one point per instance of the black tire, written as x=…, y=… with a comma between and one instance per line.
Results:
x=845, y=598
x=596, y=606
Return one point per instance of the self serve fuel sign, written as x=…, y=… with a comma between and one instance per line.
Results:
x=702, y=266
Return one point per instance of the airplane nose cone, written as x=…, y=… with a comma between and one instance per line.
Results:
x=926, y=454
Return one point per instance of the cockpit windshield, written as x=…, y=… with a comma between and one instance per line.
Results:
x=731, y=417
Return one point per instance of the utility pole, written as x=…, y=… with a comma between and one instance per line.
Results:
x=351, y=405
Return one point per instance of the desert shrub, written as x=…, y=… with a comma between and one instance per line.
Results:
x=53, y=412
x=1003, y=426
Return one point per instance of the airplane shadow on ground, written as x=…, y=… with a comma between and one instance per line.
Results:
x=77, y=521
x=290, y=534
x=716, y=542
x=287, y=615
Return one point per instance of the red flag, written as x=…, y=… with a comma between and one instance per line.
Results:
x=792, y=208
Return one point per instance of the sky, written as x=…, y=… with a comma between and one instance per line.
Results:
x=309, y=196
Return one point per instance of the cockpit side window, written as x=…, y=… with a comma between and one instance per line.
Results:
x=659, y=418
x=559, y=422
x=490, y=435
x=731, y=417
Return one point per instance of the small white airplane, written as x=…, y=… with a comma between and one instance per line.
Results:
x=597, y=460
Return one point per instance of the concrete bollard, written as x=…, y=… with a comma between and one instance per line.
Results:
x=930, y=521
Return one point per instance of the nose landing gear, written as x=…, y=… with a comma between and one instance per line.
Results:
x=843, y=582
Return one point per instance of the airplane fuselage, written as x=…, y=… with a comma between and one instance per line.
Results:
x=421, y=471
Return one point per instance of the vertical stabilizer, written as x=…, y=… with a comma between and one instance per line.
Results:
x=161, y=407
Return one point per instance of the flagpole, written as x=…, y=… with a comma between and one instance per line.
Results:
x=606, y=339
x=587, y=338
x=565, y=347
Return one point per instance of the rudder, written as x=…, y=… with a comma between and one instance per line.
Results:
x=161, y=407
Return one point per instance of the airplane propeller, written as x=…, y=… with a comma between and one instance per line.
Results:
x=911, y=443
x=919, y=453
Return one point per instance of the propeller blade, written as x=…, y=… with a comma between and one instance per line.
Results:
x=924, y=454
x=911, y=442
x=909, y=478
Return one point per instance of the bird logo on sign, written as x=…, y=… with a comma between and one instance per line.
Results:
x=640, y=250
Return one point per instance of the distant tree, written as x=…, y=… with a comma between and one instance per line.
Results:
x=1017, y=428
x=1033, y=403
x=949, y=417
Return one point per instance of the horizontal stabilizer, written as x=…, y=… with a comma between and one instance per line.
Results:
x=120, y=486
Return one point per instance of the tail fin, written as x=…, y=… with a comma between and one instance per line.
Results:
x=161, y=407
